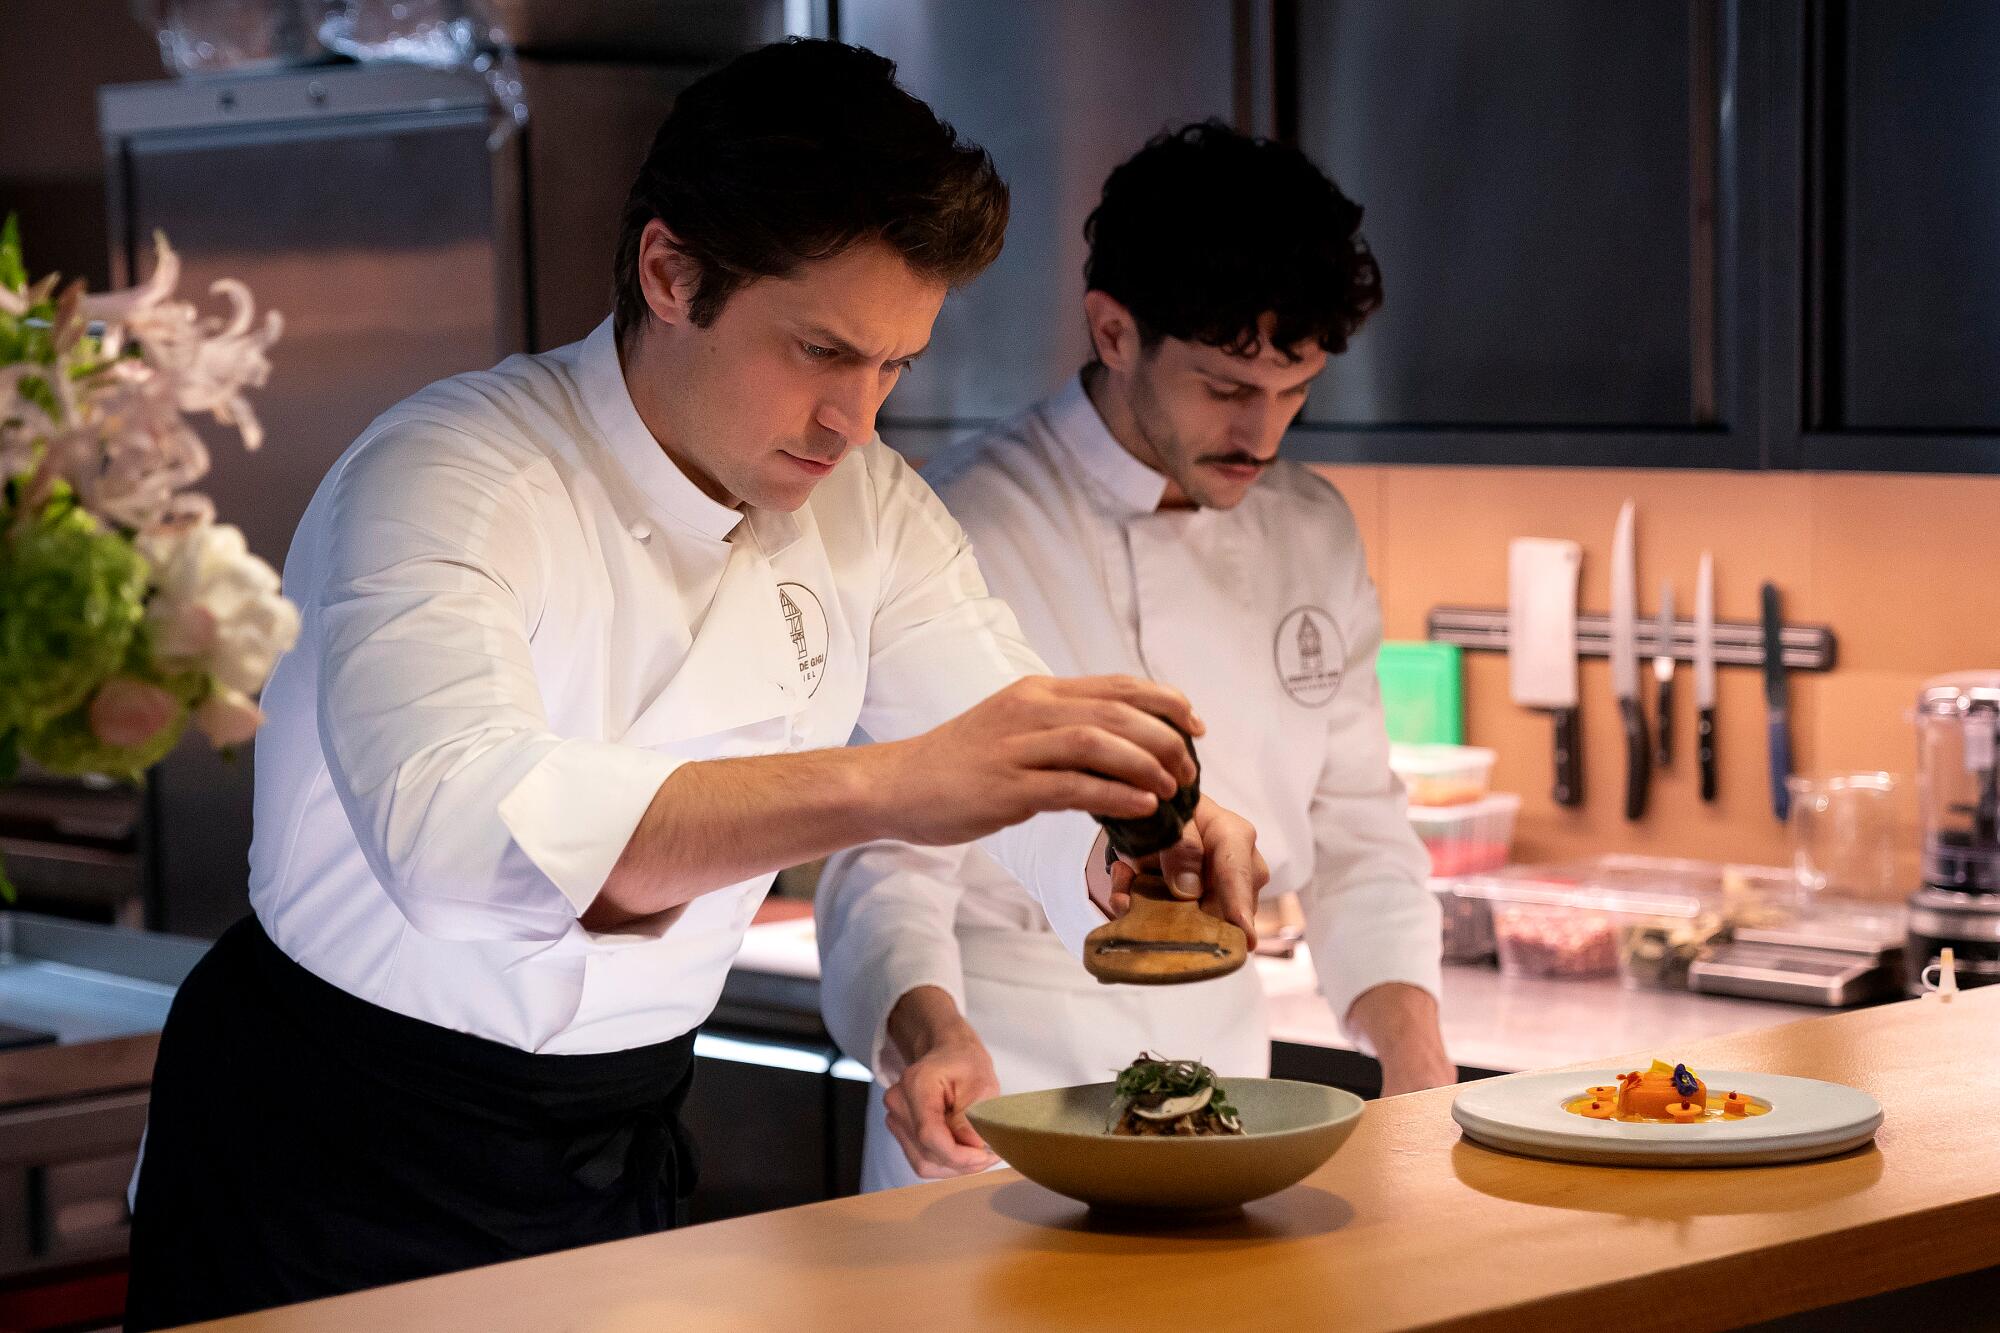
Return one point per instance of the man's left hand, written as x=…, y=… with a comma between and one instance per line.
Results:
x=1216, y=861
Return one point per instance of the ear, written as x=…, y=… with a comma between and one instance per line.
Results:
x=1113, y=331
x=668, y=275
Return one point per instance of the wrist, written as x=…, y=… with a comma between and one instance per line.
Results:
x=871, y=800
x=924, y=1020
x=1396, y=1016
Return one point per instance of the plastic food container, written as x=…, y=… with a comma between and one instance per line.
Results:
x=1467, y=839
x=1467, y=924
x=1547, y=925
x=1443, y=774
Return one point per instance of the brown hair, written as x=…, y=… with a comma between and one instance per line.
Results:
x=794, y=152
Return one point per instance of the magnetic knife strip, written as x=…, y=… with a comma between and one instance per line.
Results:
x=1737, y=642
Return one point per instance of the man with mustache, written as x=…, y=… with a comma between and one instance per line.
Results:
x=1140, y=521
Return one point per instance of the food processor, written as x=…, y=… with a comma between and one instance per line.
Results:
x=1958, y=792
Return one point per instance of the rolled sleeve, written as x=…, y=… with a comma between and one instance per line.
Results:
x=477, y=819
x=573, y=813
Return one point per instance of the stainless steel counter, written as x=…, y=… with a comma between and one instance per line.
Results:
x=1491, y=1022
x=88, y=983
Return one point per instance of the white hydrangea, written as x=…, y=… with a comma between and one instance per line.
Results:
x=216, y=608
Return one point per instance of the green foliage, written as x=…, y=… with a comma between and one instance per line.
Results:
x=13, y=268
x=72, y=596
x=67, y=746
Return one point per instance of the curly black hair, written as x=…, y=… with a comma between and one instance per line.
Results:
x=1205, y=230
x=791, y=153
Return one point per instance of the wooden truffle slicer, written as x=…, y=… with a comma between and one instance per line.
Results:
x=1163, y=940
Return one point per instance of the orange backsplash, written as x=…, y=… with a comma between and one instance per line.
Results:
x=1906, y=569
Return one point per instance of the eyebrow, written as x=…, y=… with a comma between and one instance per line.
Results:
x=1236, y=383
x=827, y=338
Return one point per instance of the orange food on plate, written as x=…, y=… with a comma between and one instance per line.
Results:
x=1648, y=1094
x=1662, y=1095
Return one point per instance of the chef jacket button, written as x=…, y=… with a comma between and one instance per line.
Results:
x=639, y=530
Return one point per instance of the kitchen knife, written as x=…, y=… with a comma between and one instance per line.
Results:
x=1663, y=674
x=1625, y=663
x=1777, y=709
x=1704, y=672
x=1541, y=646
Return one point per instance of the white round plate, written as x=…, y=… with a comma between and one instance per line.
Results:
x=1523, y=1113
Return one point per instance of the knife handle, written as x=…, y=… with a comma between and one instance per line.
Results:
x=1705, y=734
x=1665, y=747
x=1638, y=757
x=1569, y=760
x=1779, y=737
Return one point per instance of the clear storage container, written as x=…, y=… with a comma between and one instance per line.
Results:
x=1563, y=921
x=1467, y=924
x=1468, y=839
x=1443, y=774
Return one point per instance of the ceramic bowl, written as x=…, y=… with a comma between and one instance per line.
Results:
x=1057, y=1139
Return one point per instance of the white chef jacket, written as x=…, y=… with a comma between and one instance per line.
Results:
x=519, y=617
x=1265, y=616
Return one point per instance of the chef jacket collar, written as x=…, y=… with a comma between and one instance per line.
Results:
x=669, y=491
x=1121, y=485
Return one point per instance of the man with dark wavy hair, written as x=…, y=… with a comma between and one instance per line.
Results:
x=585, y=636
x=1141, y=521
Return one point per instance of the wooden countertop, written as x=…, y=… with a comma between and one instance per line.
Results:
x=1407, y=1227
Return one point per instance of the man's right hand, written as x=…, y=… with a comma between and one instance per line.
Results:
x=1091, y=743
x=948, y=1070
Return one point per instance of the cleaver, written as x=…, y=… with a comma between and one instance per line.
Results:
x=1541, y=645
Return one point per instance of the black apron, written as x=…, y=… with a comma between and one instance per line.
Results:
x=303, y=1143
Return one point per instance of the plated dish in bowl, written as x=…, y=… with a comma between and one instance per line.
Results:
x=1180, y=1157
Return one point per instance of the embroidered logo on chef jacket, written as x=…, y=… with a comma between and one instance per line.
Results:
x=1311, y=655
x=805, y=622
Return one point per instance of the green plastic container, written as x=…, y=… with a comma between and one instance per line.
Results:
x=1423, y=693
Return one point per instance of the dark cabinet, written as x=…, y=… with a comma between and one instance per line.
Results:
x=1530, y=176
x=1899, y=234
x=1694, y=233
x=772, y=1125
x=1555, y=192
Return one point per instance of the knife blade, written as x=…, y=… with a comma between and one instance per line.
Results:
x=1663, y=674
x=1777, y=704
x=1541, y=646
x=1625, y=662
x=1704, y=672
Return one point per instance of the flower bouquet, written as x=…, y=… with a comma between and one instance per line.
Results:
x=126, y=611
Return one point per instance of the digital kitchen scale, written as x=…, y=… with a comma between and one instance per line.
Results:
x=1763, y=971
